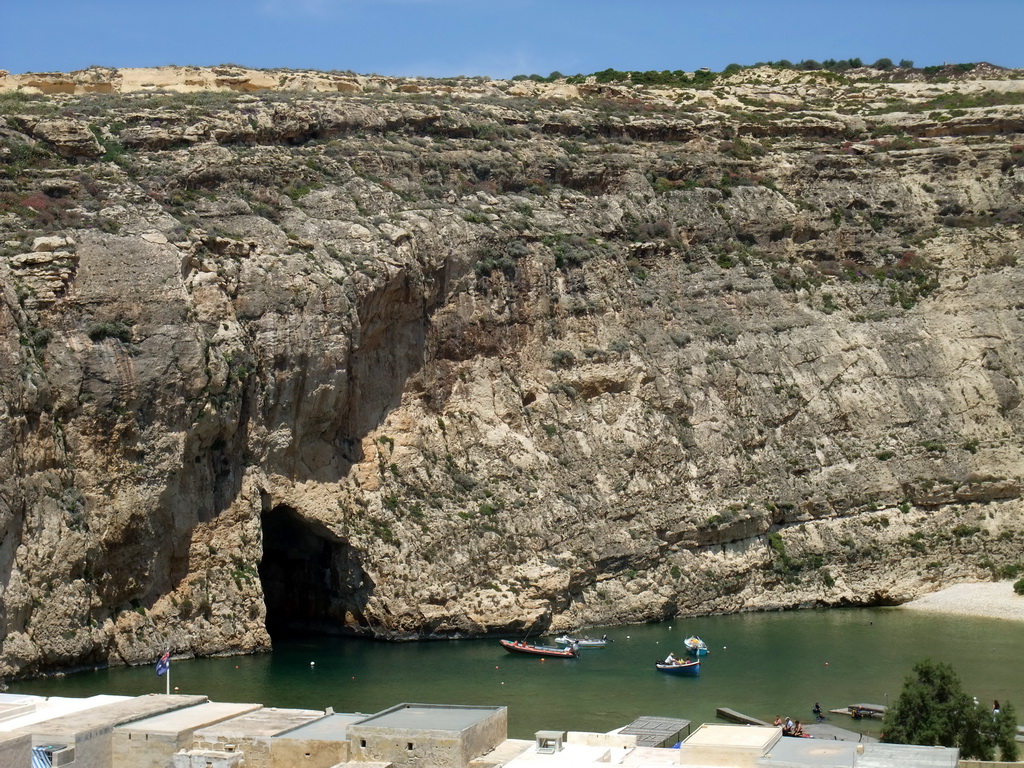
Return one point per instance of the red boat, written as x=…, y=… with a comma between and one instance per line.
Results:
x=547, y=651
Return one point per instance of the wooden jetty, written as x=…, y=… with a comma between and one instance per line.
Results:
x=860, y=710
x=738, y=717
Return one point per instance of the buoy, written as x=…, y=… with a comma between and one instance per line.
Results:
x=495, y=667
x=826, y=663
x=724, y=647
x=312, y=663
x=175, y=688
x=236, y=666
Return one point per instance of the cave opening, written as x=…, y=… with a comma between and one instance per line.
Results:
x=312, y=579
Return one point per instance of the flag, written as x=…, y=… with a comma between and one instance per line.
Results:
x=164, y=664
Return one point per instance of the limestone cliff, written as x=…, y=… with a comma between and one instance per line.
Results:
x=420, y=358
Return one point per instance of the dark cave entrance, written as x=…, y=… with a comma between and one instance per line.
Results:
x=312, y=579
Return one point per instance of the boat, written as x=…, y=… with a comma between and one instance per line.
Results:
x=583, y=642
x=679, y=667
x=695, y=646
x=545, y=651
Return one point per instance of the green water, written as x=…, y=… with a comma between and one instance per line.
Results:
x=760, y=664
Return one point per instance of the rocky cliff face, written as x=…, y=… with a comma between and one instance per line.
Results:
x=429, y=359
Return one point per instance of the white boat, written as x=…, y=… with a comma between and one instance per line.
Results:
x=695, y=646
x=583, y=642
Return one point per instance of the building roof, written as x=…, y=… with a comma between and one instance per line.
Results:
x=655, y=731
x=429, y=717
x=908, y=756
x=330, y=728
x=262, y=723
x=827, y=753
x=44, y=709
x=743, y=736
x=189, y=719
x=109, y=715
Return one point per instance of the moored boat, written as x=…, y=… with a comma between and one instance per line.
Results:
x=679, y=667
x=546, y=651
x=583, y=642
x=695, y=646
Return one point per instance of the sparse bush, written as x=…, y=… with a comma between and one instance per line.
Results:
x=116, y=329
x=562, y=358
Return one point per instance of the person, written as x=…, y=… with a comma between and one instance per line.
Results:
x=778, y=721
x=995, y=708
x=798, y=730
x=818, y=717
x=671, y=658
x=787, y=729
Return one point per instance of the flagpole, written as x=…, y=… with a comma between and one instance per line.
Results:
x=168, y=673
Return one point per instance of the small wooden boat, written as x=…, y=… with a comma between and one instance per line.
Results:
x=546, y=651
x=679, y=667
x=583, y=642
x=695, y=646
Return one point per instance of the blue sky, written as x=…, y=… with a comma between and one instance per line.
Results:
x=444, y=38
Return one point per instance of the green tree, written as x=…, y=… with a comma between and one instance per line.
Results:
x=884, y=63
x=906, y=64
x=1005, y=732
x=934, y=710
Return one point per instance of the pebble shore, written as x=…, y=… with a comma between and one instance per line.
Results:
x=989, y=599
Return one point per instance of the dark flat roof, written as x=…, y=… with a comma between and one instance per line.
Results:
x=429, y=717
x=654, y=731
x=329, y=728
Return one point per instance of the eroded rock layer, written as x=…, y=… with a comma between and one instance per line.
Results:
x=432, y=359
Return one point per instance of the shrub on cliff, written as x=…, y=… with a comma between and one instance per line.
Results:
x=1018, y=586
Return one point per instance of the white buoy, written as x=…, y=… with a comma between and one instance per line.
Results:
x=312, y=663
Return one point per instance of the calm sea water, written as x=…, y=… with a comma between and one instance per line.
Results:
x=760, y=664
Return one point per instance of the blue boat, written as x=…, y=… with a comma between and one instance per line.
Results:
x=695, y=646
x=689, y=667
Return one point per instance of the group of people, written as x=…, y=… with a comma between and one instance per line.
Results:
x=789, y=728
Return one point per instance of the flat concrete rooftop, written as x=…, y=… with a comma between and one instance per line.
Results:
x=824, y=753
x=112, y=714
x=744, y=736
x=190, y=718
x=44, y=709
x=811, y=752
x=430, y=717
x=262, y=723
x=643, y=756
x=908, y=756
x=329, y=728
x=13, y=706
x=570, y=756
